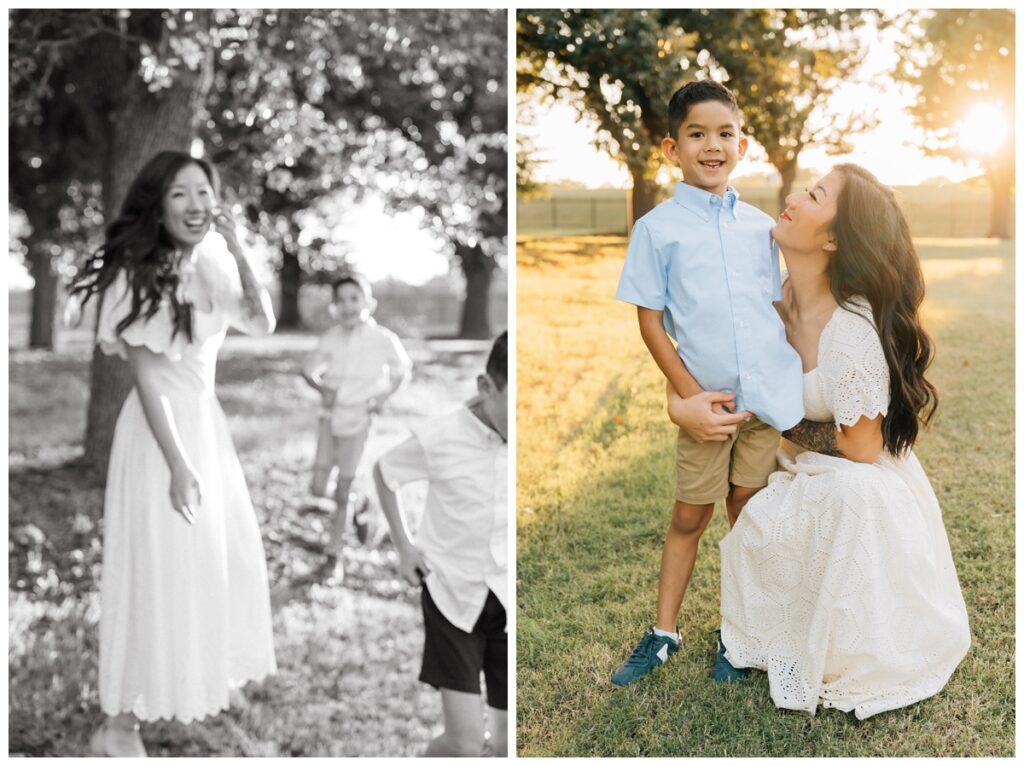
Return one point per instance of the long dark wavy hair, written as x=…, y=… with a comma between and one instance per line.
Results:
x=875, y=258
x=137, y=243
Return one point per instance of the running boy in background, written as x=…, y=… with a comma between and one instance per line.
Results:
x=357, y=365
x=701, y=270
x=460, y=556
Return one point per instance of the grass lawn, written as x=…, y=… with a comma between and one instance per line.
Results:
x=348, y=656
x=595, y=481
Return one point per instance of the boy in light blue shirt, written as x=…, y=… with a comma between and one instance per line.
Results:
x=701, y=270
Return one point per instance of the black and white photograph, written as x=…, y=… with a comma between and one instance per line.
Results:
x=258, y=382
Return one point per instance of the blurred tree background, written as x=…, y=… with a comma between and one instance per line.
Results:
x=618, y=68
x=304, y=112
x=962, y=62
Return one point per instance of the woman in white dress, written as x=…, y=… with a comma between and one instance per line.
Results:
x=185, y=607
x=837, y=578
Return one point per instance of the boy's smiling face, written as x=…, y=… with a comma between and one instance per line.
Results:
x=707, y=146
x=350, y=305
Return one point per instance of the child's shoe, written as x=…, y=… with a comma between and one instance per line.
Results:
x=723, y=670
x=652, y=651
x=361, y=518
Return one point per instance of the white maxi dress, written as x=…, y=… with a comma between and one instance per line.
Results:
x=185, y=610
x=837, y=578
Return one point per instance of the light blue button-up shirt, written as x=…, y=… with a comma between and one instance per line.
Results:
x=709, y=264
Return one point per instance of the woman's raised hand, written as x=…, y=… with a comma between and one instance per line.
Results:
x=227, y=227
x=186, y=495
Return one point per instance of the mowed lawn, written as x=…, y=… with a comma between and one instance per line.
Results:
x=595, y=481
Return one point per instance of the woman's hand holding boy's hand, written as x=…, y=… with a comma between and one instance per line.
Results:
x=704, y=415
x=411, y=565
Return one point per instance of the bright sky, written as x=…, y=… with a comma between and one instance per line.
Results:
x=385, y=244
x=889, y=152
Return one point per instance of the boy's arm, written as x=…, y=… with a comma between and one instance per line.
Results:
x=691, y=407
x=313, y=372
x=399, y=373
x=652, y=330
x=411, y=564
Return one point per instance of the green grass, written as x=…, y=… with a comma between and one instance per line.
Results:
x=595, y=478
x=348, y=657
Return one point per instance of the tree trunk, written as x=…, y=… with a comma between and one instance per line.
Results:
x=44, y=218
x=44, y=297
x=1000, y=181
x=643, y=197
x=787, y=170
x=478, y=269
x=289, y=317
x=143, y=125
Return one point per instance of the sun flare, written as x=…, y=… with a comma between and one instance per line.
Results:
x=984, y=128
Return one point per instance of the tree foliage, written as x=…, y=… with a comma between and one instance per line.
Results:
x=295, y=106
x=958, y=59
x=292, y=105
x=620, y=67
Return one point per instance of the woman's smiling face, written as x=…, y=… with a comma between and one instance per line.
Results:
x=187, y=207
x=806, y=223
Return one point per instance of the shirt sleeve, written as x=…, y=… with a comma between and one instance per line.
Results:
x=644, y=278
x=856, y=373
x=397, y=356
x=404, y=463
x=155, y=333
x=318, y=358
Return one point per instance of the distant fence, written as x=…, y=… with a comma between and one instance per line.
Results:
x=940, y=211
x=432, y=310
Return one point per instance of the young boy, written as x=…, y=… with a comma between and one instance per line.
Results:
x=460, y=557
x=701, y=270
x=356, y=366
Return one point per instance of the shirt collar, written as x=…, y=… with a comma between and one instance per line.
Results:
x=486, y=434
x=703, y=203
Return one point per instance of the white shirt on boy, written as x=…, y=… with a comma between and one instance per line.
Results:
x=463, y=534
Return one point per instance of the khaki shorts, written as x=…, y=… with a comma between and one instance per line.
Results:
x=341, y=451
x=704, y=470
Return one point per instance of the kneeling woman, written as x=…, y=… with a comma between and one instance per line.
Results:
x=837, y=578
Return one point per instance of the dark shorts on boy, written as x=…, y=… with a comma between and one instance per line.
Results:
x=453, y=658
x=704, y=470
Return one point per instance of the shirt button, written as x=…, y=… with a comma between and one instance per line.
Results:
x=746, y=376
x=742, y=324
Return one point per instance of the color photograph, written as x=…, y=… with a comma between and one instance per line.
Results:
x=765, y=382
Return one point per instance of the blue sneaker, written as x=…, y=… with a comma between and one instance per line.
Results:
x=724, y=671
x=652, y=651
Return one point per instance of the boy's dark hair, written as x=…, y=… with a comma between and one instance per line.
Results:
x=352, y=278
x=497, y=362
x=694, y=93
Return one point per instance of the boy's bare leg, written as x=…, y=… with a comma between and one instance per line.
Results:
x=463, y=726
x=677, y=558
x=737, y=500
x=320, y=481
x=497, y=727
x=341, y=515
